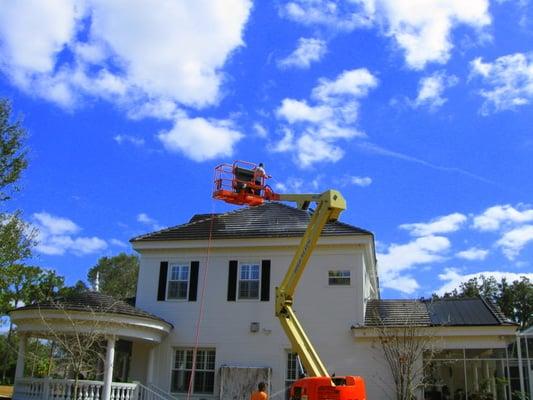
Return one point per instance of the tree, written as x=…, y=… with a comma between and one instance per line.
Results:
x=117, y=275
x=407, y=347
x=24, y=285
x=12, y=153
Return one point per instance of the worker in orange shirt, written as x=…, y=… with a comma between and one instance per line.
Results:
x=260, y=393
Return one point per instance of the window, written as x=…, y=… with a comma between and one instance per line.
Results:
x=294, y=371
x=339, y=278
x=178, y=282
x=204, y=374
x=249, y=281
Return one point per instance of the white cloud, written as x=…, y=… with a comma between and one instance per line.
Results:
x=431, y=88
x=260, y=130
x=57, y=236
x=420, y=28
x=312, y=149
x=309, y=50
x=201, y=139
x=423, y=29
x=400, y=258
x=318, y=127
x=513, y=241
x=356, y=83
x=56, y=225
x=136, y=141
x=454, y=278
x=473, y=253
x=145, y=219
x=361, y=181
x=118, y=243
x=510, y=81
x=444, y=224
x=493, y=218
x=341, y=15
x=176, y=51
x=299, y=111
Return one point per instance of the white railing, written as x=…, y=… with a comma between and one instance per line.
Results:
x=152, y=392
x=67, y=389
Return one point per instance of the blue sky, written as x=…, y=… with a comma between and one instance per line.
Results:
x=418, y=111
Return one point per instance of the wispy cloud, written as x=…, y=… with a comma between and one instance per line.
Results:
x=134, y=140
x=375, y=149
x=309, y=50
x=145, y=219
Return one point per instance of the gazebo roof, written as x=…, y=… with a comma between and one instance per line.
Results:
x=93, y=302
x=90, y=312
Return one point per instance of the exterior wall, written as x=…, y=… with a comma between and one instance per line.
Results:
x=326, y=312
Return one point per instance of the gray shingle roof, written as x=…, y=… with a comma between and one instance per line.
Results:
x=93, y=302
x=446, y=312
x=264, y=221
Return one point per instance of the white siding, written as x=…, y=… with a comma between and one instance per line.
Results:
x=327, y=312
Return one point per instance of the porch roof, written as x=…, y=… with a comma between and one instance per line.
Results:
x=442, y=312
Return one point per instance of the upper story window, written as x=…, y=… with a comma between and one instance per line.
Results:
x=339, y=278
x=178, y=282
x=249, y=278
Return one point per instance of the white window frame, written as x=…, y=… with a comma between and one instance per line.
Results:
x=342, y=271
x=297, y=370
x=198, y=368
x=239, y=280
x=169, y=280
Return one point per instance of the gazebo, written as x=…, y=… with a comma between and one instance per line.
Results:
x=80, y=315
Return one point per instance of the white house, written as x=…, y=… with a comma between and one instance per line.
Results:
x=214, y=279
x=209, y=285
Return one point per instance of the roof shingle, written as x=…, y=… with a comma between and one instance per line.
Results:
x=442, y=312
x=91, y=302
x=265, y=221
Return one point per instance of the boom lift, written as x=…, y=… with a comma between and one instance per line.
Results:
x=238, y=183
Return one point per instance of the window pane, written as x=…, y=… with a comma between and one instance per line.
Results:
x=179, y=362
x=245, y=269
x=174, y=275
x=184, y=273
x=200, y=359
x=339, y=277
x=172, y=290
x=446, y=354
x=485, y=353
x=189, y=359
x=180, y=381
x=485, y=378
x=254, y=272
x=182, y=289
x=210, y=364
x=444, y=380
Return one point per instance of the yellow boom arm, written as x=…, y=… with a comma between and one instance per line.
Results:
x=329, y=206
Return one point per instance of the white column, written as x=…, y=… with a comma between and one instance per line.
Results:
x=150, y=371
x=520, y=365
x=19, y=371
x=108, y=368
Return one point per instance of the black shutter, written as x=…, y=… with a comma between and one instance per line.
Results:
x=193, y=283
x=232, y=280
x=265, y=280
x=162, y=289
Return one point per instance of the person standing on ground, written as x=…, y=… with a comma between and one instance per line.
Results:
x=260, y=393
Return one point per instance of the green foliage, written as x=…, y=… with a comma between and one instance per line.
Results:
x=117, y=275
x=12, y=153
x=514, y=299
